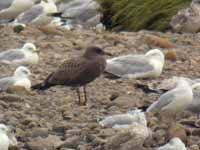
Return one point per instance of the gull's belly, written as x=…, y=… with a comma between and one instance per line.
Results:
x=24, y=83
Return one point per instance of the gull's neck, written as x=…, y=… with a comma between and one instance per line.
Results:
x=183, y=84
x=157, y=64
x=49, y=7
x=20, y=76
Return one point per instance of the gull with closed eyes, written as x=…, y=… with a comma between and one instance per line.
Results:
x=19, y=78
x=149, y=65
x=27, y=55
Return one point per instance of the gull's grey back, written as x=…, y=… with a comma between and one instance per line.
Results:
x=31, y=14
x=5, y=4
x=128, y=65
x=6, y=82
x=10, y=55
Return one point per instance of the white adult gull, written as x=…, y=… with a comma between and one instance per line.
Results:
x=38, y=14
x=10, y=9
x=19, y=78
x=174, y=144
x=175, y=100
x=27, y=55
x=137, y=66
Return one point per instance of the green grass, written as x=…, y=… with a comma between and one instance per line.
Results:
x=134, y=15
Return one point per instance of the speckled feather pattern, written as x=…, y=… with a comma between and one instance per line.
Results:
x=77, y=71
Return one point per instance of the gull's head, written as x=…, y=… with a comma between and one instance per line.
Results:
x=3, y=129
x=156, y=54
x=183, y=82
x=49, y=6
x=93, y=51
x=168, y=84
x=30, y=47
x=22, y=72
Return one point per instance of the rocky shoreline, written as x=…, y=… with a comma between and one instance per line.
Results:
x=53, y=120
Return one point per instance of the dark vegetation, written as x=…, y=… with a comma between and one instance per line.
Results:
x=134, y=15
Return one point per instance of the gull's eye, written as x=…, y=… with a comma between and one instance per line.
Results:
x=154, y=54
x=99, y=51
x=30, y=48
x=25, y=71
x=3, y=129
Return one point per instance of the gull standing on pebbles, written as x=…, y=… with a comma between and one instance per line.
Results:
x=27, y=55
x=19, y=78
x=10, y=9
x=174, y=144
x=38, y=14
x=175, y=100
x=77, y=72
x=137, y=66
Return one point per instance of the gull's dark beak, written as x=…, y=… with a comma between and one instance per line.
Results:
x=107, y=53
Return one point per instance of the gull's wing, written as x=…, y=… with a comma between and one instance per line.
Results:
x=129, y=64
x=168, y=100
x=6, y=82
x=11, y=55
x=163, y=101
x=76, y=71
x=29, y=15
x=5, y=4
x=67, y=4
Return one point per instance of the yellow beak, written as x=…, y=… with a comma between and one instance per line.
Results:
x=36, y=50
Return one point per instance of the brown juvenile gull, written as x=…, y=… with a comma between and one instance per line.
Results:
x=77, y=72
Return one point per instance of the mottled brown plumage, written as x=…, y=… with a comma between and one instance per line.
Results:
x=78, y=71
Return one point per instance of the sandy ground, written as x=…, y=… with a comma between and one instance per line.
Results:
x=55, y=111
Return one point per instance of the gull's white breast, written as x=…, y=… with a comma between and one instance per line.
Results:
x=158, y=67
x=24, y=82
